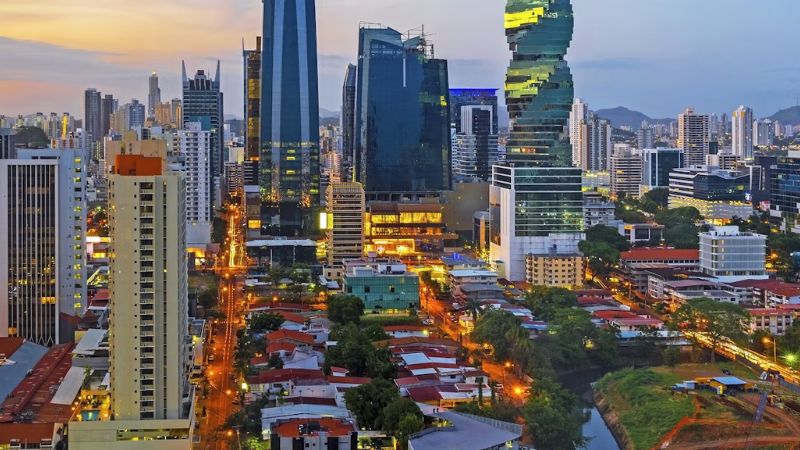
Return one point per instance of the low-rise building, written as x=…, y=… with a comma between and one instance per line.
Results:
x=730, y=255
x=597, y=209
x=687, y=259
x=282, y=252
x=554, y=270
x=718, y=194
x=313, y=433
x=383, y=285
x=774, y=320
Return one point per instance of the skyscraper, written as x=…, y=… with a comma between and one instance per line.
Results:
x=657, y=164
x=742, y=134
x=626, y=171
x=693, y=137
x=596, y=146
x=763, y=133
x=92, y=117
x=194, y=146
x=475, y=145
x=402, y=116
x=578, y=114
x=153, y=95
x=535, y=199
x=202, y=102
x=348, y=122
x=135, y=114
x=645, y=138
x=107, y=106
x=252, y=103
x=8, y=149
x=42, y=245
x=149, y=289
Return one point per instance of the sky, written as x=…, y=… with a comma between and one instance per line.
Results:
x=655, y=56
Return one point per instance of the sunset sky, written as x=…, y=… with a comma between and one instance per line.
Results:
x=657, y=56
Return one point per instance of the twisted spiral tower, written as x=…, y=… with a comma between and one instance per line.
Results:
x=539, y=89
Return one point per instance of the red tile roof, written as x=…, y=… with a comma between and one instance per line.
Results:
x=278, y=375
x=614, y=314
x=349, y=380
x=281, y=335
x=769, y=312
x=638, y=322
x=289, y=316
x=660, y=254
x=390, y=328
x=424, y=394
x=37, y=389
x=293, y=428
x=280, y=346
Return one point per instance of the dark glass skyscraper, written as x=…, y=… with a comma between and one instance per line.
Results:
x=402, y=123
x=289, y=173
x=107, y=106
x=539, y=89
x=252, y=111
x=348, y=122
x=202, y=102
x=92, y=122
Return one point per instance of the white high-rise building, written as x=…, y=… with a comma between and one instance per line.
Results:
x=42, y=244
x=194, y=151
x=730, y=255
x=742, y=134
x=693, y=137
x=151, y=397
x=579, y=114
x=148, y=283
x=626, y=171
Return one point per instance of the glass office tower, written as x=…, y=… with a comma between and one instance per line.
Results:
x=289, y=173
x=402, y=117
x=539, y=89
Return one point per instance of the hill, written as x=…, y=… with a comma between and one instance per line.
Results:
x=31, y=137
x=621, y=116
x=788, y=116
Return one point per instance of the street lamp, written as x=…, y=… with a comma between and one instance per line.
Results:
x=774, y=343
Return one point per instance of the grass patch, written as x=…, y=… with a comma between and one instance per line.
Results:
x=389, y=320
x=646, y=406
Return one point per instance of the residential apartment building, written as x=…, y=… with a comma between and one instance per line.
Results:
x=730, y=255
x=693, y=137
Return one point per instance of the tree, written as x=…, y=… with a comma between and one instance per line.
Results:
x=373, y=332
x=207, y=299
x=682, y=235
x=544, y=301
x=602, y=233
x=502, y=330
x=394, y=412
x=368, y=401
x=550, y=416
x=266, y=322
x=355, y=352
x=658, y=197
x=686, y=214
x=602, y=256
x=219, y=230
x=409, y=424
x=716, y=320
x=781, y=247
x=344, y=309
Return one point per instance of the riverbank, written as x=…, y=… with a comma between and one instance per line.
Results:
x=642, y=411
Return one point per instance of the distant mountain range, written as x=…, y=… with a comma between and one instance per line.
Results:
x=788, y=116
x=621, y=116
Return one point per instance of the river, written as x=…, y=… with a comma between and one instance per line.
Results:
x=596, y=432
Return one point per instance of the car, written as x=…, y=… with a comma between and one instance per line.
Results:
x=210, y=358
x=427, y=321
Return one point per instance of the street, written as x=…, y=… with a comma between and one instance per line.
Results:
x=221, y=379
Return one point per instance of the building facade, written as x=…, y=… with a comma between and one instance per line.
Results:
x=402, y=124
x=194, y=149
x=555, y=271
x=92, y=117
x=596, y=146
x=742, y=132
x=289, y=173
x=148, y=283
x=718, y=194
x=347, y=122
x=730, y=255
x=784, y=193
x=345, y=228
x=626, y=172
x=693, y=137
x=203, y=103
x=475, y=147
x=153, y=95
x=577, y=116
x=384, y=285
x=657, y=164
x=43, y=244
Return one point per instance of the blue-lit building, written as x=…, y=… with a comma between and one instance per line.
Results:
x=203, y=103
x=289, y=172
x=383, y=285
x=402, y=119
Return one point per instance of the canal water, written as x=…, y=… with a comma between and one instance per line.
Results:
x=597, y=434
